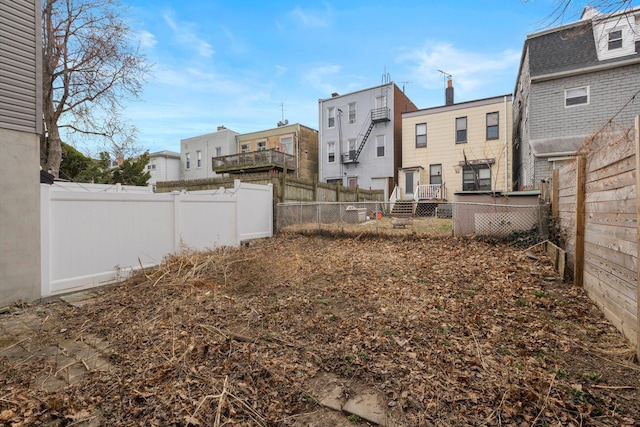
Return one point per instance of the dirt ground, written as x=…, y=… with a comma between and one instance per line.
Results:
x=451, y=331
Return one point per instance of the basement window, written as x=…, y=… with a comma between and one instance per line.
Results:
x=576, y=96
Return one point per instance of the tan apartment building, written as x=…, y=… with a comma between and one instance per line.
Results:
x=293, y=147
x=456, y=147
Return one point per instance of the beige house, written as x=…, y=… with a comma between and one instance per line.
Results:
x=290, y=147
x=456, y=147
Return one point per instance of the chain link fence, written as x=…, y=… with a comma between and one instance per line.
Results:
x=458, y=218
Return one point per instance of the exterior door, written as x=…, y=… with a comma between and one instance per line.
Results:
x=408, y=184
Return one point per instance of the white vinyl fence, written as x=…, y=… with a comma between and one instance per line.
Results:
x=92, y=234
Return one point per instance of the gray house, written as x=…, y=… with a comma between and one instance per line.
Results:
x=360, y=137
x=572, y=81
x=20, y=127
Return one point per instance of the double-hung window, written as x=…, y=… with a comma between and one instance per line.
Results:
x=245, y=148
x=331, y=150
x=576, y=96
x=352, y=112
x=435, y=174
x=286, y=144
x=615, y=40
x=421, y=135
x=199, y=159
x=493, y=125
x=461, y=130
x=380, y=146
x=187, y=161
x=331, y=117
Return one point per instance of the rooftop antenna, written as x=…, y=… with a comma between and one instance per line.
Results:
x=403, y=83
x=446, y=76
x=284, y=121
x=282, y=110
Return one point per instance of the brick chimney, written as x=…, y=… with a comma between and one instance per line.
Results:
x=448, y=93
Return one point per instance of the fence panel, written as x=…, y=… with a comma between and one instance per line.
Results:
x=96, y=234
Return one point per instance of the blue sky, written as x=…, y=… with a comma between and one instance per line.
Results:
x=239, y=63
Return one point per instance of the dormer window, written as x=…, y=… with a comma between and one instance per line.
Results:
x=615, y=39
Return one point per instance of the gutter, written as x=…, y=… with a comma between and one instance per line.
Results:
x=557, y=154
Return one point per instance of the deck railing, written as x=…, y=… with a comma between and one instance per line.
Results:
x=254, y=159
x=430, y=192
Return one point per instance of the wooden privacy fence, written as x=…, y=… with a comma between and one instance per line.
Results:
x=595, y=201
x=285, y=188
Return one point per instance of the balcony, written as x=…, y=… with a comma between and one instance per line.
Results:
x=255, y=161
x=379, y=115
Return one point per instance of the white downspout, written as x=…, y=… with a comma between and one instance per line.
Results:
x=506, y=149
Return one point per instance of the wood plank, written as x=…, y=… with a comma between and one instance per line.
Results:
x=626, y=277
x=612, y=244
x=623, y=260
x=626, y=234
x=621, y=180
x=637, y=155
x=580, y=217
x=617, y=194
x=613, y=151
x=627, y=164
x=614, y=219
x=600, y=294
x=555, y=193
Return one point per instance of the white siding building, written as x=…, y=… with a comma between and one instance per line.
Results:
x=360, y=137
x=196, y=152
x=164, y=166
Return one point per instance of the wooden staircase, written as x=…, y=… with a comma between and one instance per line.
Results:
x=403, y=209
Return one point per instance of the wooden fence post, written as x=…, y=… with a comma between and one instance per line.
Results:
x=315, y=187
x=578, y=271
x=555, y=193
x=637, y=144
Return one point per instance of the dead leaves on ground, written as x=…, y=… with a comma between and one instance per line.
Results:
x=453, y=331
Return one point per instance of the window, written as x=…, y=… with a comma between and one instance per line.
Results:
x=576, y=96
x=352, y=112
x=331, y=116
x=435, y=174
x=352, y=149
x=380, y=146
x=331, y=150
x=286, y=144
x=421, y=135
x=615, y=39
x=461, y=130
x=493, y=126
x=199, y=158
x=476, y=178
x=245, y=148
x=262, y=145
x=381, y=101
x=218, y=151
x=187, y=161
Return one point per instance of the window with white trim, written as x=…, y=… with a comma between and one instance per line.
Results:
x=245, y=148
x=615, y=40
x=576, y=96
x=286, y=144
x=199, y=158
x=380, y=146
x=187, y=161
x=352, y=112
x=435, y=174
x=218, y=151
x=331, y=151
x=421, y=135
x=461, y=130
x=331, y=117
x=477, y=177
x=493, y=125
x=262, y=145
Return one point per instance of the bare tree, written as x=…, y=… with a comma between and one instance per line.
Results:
x=91, y=65
x=563, y=9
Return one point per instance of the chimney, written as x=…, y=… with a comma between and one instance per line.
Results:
x=448, y=93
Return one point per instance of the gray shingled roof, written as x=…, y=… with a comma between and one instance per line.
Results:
x=567, y=49
x=571, y=47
